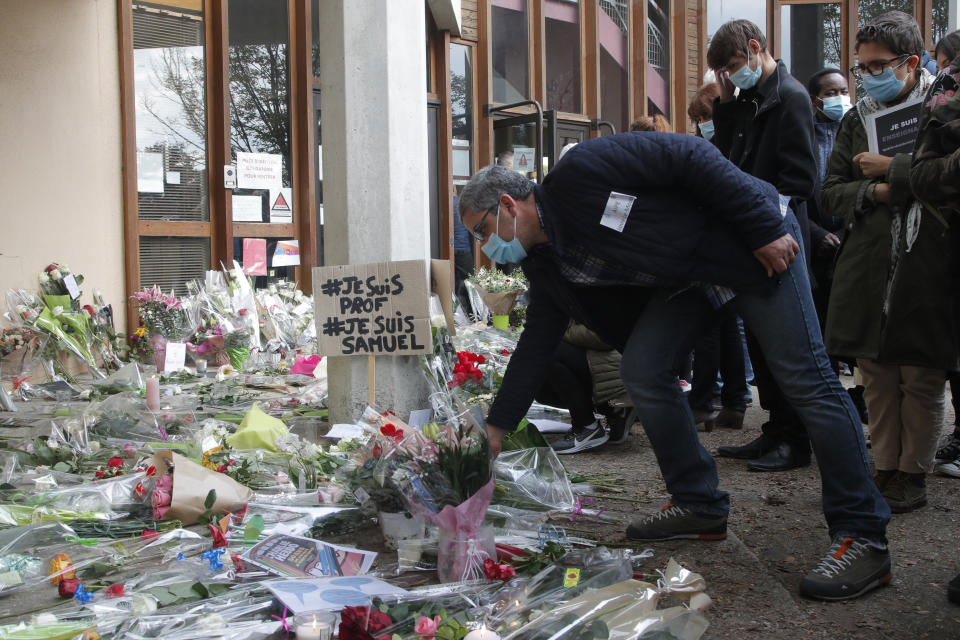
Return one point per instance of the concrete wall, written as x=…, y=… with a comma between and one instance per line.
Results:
x=60, y=172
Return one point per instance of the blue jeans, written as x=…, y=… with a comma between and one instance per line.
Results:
x=785, y=324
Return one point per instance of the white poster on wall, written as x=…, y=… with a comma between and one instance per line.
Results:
x=149, y=172
x=259, y=170
x=524, y=159
x=247, y=209
x=281, y=205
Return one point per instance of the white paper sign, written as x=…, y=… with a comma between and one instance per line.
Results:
x=149, y=172
x=247, y=209
x=173, y=177
x=71, y=284
x=338, y=431
x=175, y=357
x=329, y=594
x=420, y=417
x=617, y=211
x=259, y=170
x=281, y=205
x=524, y=159
x=286, y=253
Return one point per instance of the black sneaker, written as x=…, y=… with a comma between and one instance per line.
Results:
x=856, y=394
x=617, y=421
x=577, y=441
x=673, y=523
x=950, y=451
x=852, y=567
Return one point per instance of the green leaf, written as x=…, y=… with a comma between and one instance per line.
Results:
x=211, y=499
x=62, y=466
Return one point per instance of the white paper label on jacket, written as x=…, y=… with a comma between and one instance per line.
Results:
x=617, y=211
x=784, y=204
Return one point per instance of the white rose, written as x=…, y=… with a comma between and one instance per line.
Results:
x=94, y=446
x=22, y=309
x=44, y=278
x=58, y=310
x=64, y=269
x=56, y=275
x=142, y=605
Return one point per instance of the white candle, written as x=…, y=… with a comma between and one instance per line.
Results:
x=482, y=634
x=315, y=630
x=153, y=394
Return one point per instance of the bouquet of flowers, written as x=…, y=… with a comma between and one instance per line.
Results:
x=445, y=473
x=58, y=327
x=164, y=318
x=287, y=316
x=60, y=287
x=499, y=292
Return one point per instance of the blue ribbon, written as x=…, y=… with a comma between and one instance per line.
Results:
x=82, y=595
x=213, y=556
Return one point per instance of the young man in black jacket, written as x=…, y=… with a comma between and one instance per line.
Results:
x=767, y=131
x=639, y=237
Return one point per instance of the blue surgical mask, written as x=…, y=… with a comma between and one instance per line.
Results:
x=746, y=78
x=500, y=251
x=706, y=129
x=835, y=106
x=884, y=87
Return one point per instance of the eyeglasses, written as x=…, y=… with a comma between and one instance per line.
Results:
x=876, y=67
x=477, y=231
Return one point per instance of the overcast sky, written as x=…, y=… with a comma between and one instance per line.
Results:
x=720, y=11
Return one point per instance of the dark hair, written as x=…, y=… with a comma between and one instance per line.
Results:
x=895, y=30
x=949, y=45
x=731, y=40
x=815, y=83
x=701, y=107
x=651, y=123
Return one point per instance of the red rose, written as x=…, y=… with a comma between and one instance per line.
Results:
x=377, y=451
x=353, y=624
x=378, y=621
x=68, y=587
x=115, y=462
x=222, y=468
x=51, y=267
x=490, y=569
x=114, y=591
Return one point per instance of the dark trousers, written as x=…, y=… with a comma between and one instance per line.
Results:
x=719, y=349
x=570, y=385
x=784, y=424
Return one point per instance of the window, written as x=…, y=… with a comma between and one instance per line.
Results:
x=658, y=57
x=562, y=44
x=614, y=34
x=812, y=38
x=509, y=44
x=171, y=150
x=461, y=107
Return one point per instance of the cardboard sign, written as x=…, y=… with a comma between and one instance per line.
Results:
x=259, y=170
x=441, y=283
x=377, y=309
x=894, y=130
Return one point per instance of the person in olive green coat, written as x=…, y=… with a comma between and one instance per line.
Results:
x=889, y=306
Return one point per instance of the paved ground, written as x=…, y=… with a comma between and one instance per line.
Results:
x=777, y=533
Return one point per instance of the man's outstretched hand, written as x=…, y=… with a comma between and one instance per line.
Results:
x=777, y=256
x=495, y=435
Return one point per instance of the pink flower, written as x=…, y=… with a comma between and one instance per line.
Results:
x=160, y=512
x=426, y=627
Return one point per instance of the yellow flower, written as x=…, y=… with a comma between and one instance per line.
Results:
x=140, y=332
x=61, y=567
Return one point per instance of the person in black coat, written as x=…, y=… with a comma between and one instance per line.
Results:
x=767, y=131
x=640, y=237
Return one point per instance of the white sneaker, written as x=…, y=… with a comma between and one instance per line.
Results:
x=951, y=469
x=589, y=438
x=685, y=386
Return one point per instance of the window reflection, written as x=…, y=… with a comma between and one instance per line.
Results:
x=658, y=57
x=812, y=38
x=461, y=106
x=562, y=44
x=614, y=31
x=509, y=49
x=171, y=113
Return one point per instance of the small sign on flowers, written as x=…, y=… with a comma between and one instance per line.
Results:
x=379, y=309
